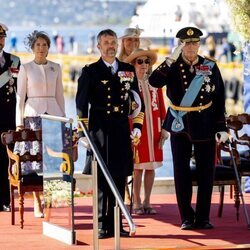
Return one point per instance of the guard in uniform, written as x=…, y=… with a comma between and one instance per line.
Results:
x=9, y=67
x=195, y=119
x=103, y=102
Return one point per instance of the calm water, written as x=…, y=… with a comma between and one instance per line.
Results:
x=81, y=36
x=165, y=171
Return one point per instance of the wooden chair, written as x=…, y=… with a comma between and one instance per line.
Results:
x=22, y=182
x=224, y=176
x=236, y=123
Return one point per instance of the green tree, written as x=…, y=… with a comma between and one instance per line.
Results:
x=240, y=10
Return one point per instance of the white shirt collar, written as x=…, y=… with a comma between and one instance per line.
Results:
x=114, y=64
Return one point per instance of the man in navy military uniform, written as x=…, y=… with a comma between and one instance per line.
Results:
x=102, y=102
x=9, y=66
x=195, y=119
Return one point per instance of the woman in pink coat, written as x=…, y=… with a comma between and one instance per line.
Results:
x=39, y=91
x=150, y=155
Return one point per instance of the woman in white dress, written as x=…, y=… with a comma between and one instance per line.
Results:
x=39, y=91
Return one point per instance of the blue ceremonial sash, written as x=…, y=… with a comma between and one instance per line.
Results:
x=188, y=99
x=6, y=75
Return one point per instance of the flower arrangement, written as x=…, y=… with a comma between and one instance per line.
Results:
x=57, y=193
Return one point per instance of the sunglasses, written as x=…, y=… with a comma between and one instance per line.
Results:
x=141, y=61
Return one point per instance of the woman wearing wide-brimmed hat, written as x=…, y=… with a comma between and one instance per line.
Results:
x=130, y=41
x=150, y=147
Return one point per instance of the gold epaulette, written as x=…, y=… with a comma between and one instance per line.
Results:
x=210, y=58
x=86, y=122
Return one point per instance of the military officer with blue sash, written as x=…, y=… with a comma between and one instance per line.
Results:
x=9, y=67
x=195, y=120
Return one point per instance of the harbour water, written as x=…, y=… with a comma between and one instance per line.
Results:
x=165, y=171
x=82, y=36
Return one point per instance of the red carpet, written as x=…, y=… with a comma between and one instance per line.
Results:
x=160, y=231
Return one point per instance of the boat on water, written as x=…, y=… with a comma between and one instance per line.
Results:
x=161, y=19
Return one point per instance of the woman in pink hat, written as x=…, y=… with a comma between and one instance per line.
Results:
x=150, y=147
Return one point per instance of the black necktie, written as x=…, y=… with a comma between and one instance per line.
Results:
x=112, y=70
x=2, y=61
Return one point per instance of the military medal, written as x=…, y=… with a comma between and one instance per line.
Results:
x=203, y=70
x=177, y=124
x=191, y=69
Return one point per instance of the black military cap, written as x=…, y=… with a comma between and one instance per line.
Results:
x=3, y=29
x=189, y=34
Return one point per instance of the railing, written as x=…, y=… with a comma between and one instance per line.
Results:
x=58, y=182
x=119, y=200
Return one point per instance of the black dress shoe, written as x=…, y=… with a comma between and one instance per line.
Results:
x=6, y=208
x=102, y=234
x=123, y=233
x=203, y=225
x=187, y=225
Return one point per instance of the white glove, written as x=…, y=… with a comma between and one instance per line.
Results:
x=164, y=137
x=84, y=142
x=136, y=132
x=222, y=137
x=177, y=51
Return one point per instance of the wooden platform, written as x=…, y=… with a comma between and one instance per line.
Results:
x=160, y=231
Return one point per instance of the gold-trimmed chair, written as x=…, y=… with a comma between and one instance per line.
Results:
x=17, y=179
x=224, y=175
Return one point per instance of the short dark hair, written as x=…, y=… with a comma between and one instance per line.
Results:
x=107, y=32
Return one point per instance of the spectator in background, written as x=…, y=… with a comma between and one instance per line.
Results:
x=228, y=50
x=60, y=44
x=211, y=46
x=71, y=42
x=91, y=46
x=13, y=43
